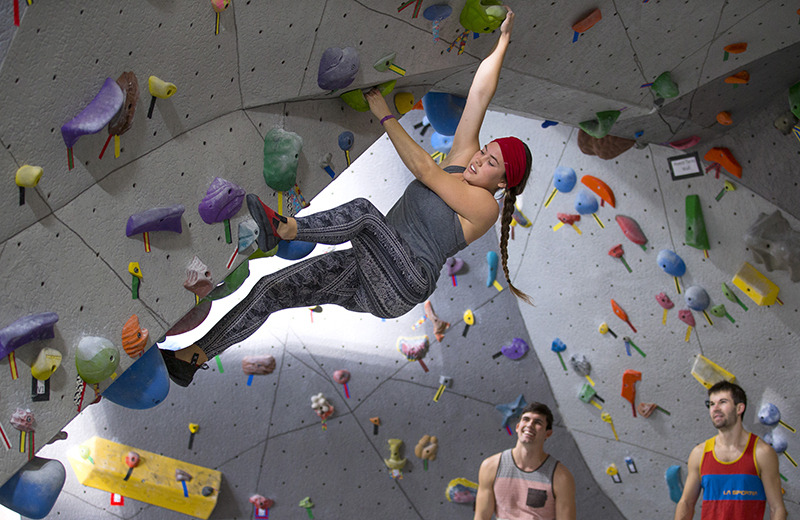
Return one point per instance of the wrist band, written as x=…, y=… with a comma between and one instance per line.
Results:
x=390, y=116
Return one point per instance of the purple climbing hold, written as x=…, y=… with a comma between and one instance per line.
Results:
x=26, y=329
x=337, y=68
x=222, y=201
x=156, y=219
x=516, y=350
x=96, y=115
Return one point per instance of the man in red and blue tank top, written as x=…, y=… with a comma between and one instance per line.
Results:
x=737, y=471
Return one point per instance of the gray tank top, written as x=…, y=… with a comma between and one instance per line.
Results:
x=428, y=225
x=524, y=494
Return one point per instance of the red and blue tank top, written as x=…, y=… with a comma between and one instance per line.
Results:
x=732, y=490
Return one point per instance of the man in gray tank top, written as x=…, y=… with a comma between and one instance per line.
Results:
x=525, y=482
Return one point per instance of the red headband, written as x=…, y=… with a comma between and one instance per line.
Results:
x=514, y=158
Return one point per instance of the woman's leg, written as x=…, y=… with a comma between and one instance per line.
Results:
x=392, y=278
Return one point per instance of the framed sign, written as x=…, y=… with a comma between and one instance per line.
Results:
x=685, y=166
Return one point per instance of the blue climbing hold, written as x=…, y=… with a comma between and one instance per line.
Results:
x=143, y=385
x=33, y=490
x=443, y=111
x=585, y=203
x=671, y=263
x=441, y=143
x=673, y=477
x=548, y=123
x=294, y=249
x=564, y=179
x=696, y=298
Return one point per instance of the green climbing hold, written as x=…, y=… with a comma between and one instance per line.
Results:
x=482, y=16
x=355, y=98
x=696, y=235
x=794, y=99
x=665, y=87
x=232, y=282
x=96, y=359
x=600, y=127
x=281, y=155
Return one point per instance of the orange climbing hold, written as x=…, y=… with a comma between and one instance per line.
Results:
x=740, y=78
x=724, y=118
x=725, y=158
x=736, y=48
x=587, y=22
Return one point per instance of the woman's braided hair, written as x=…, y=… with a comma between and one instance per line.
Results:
x=505, y=224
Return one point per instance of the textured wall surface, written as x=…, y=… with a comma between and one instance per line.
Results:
x=65, y=250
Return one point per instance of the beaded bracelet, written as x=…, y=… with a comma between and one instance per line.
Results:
x=390, y=116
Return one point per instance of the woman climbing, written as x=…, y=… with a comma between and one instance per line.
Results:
x=395, y=259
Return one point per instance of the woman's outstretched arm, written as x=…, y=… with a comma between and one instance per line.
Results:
x=481, y=92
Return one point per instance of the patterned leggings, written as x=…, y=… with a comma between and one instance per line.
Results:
x=379, y=274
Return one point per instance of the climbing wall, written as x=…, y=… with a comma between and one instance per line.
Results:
x=65, y=251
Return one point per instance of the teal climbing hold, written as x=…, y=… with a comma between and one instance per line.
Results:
x=600, y=127
x=357, y=101
x=665, y=87
x=482, y=16
x=281, y=155
x=673, y=478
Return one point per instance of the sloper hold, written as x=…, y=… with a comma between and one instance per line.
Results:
x=222, y=201
x=775, y=244
x=665, y=87
x=167, y=218
x=482, y=16
x=26, y=329
x=357, y=101
x=96, y=359
x=696, y=235
x=631, y=230
x=724, y=157
x=337, y=68
x=96, y=115
x=600, y=127
x=443, y=111
x=606, y=148
x=233, y=281
x=33, y=490
x=191, y=319
x=281, y=156
x=143, y=385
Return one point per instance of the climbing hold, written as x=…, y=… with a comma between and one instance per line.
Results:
x=156, y=219
x=443, y=111
x=775, y=244
x=95, y=116
x=606, y=148
x=218, y=6
x=724, y=118
x=770, y=415
x=461, y=491
x=631, y=230
x=294, y=249
x=601, y=126
x=29, y=328
x=735, y=48
x=454, y=265
x=585, y=203
x=404, y=102
x=357, y=101
x=27, y=176
x=160, y=89
x=248, y=233
x=427, y=447
x=587, y=22
x=600, y=188
x=123, y=120
x=258, y=365
x=395, y=462
x=719, y=311
x=671, y=263
x=685, y=144
x=341, y=376
x=724, y=157
x=491, y=261
x=414, y=349
x=321, y=406
x=516, y=350
x=337, y=68
x=387, y=63
x=191, y=319
x=673, y=478
x=33, y=490
x=709, y=373
x=547, y=123
x=696, y=235
x=441, y=143
x=621, y=314
x=281, y=155
x=629, y=379
x=134, y=337
x=511, y=410
x=740, y=78
x=785, y=122
x=222, y=201
x=439, y=326
x=664, y=86
x=96, y=359
x=233, y=281
x=198, y=278
x=261, y=502
x=755, y=285
x=794, y=99
x=182, y=475
x=47, y=362
x=482, y=16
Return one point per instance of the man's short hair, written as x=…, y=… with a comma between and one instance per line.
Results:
x=736, y=392
x=541, y=409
